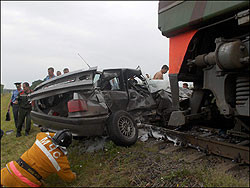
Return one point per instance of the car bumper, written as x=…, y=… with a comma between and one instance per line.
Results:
x=90, y=126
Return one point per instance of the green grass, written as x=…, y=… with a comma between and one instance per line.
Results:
x=11, y=147
x=213, y=178
x=139, y=165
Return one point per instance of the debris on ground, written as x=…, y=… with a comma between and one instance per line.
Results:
x=9, y=132
x=149, y=131
x=145, y=131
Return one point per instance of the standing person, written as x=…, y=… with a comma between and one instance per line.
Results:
x=159, y=75
x=50, y=74
x=24, y=110
x=58, y=73
x=14, y=103
x=65, y=70
x=46, y=156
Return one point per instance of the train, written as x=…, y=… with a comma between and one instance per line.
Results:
x=209, y=46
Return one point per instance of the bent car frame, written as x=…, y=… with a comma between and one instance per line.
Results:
x=94, y=103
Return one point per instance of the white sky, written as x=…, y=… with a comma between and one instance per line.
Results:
x=37, y=35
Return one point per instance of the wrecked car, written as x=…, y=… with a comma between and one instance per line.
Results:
x=94, y=103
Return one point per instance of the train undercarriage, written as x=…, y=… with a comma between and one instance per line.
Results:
x=216, y=61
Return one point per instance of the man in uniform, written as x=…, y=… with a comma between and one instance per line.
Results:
x=14, y=103
x=159, y=75
x=46, y=156
x=24, y=110
x=50, y=74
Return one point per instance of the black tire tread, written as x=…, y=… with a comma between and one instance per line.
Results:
x=114, y=132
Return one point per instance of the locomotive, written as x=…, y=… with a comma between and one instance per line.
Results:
x=209, y=46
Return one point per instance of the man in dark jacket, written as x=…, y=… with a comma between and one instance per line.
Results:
x=14, y=103
x=24, y=110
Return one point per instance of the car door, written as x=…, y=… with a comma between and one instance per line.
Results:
x=113, y=90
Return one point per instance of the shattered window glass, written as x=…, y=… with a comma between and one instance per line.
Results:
x=96, y=78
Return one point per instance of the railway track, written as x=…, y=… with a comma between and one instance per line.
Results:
x=191, y=158
x=209, y=141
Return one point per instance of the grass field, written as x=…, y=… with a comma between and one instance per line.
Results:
x=140, y=165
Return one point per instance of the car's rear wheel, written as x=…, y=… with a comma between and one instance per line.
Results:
x=122, y=128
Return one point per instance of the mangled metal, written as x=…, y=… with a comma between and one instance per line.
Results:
x=149, y=131
x=84, y=101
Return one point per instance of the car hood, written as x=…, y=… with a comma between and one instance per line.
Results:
x=80, y=80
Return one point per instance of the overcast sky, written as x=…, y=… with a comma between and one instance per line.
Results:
x=37, y=35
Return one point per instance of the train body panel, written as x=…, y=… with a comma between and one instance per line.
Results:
x=177, y=50
x=180, y=16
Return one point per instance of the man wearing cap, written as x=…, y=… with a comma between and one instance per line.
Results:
x=24, y=110
x=46, y=156
x=14, y=103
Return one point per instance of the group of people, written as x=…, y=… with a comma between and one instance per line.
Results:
x=21, y=106
x=52, y=75
x=46, y=156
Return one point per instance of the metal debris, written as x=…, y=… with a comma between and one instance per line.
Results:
x=145, y=131
x=157, y=135
x=143, y=135
x=176, y=141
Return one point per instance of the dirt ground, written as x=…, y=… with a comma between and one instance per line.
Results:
x=164, y=164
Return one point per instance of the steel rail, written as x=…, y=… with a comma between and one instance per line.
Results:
x=235, y=152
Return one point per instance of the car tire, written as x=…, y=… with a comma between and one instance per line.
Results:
x=122, y=128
